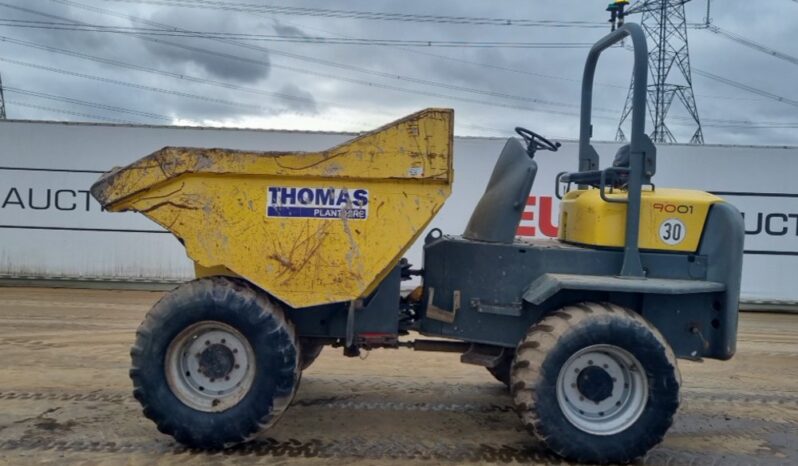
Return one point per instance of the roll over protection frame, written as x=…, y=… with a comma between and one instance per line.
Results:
x=642, y=159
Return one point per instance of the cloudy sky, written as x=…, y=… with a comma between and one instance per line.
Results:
x=132, y=61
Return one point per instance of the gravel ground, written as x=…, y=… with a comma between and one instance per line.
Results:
x=65, y=399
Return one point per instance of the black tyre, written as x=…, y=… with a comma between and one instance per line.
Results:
x=311, y=349
x=502, y=371
x=214, y=362
x=596, y=383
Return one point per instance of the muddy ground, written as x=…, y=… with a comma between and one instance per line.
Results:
x=65, y=399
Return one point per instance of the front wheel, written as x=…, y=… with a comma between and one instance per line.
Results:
x=214, y=362
x=596, y=383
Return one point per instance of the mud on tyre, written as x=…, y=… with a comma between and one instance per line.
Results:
x=214, y=362
x=596, y=383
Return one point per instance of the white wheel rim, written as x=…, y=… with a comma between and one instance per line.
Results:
x=593, y=408
x=210, y=366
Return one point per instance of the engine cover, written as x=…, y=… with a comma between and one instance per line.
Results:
x=670, y=219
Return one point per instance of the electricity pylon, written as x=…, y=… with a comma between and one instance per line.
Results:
x=665, y=25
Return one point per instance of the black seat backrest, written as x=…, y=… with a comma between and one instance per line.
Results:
x=622, y=156
x=496, y=216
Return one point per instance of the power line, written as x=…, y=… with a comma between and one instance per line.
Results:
x=2, y=101
x=256, y=8
x=368, y=15
x=350, y=67
x=254, y=90
x=48, y=25
x=135, y=85
x=746, y=87
x=68, y=112
x=190, y=78
x=740, y=124
x=751, y=44
x=85, y=103
x=164, y=73
x=516, y=70
x=317, y=61
x=180, y=76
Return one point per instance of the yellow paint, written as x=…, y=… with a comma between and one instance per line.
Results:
x=215, y=201
x=587, y=219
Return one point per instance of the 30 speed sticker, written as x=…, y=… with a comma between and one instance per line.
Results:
x=672, y=231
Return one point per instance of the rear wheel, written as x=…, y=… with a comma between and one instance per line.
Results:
x=214, y=362
x=596, y=383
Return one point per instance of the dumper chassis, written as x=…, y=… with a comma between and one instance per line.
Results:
x=584, y=330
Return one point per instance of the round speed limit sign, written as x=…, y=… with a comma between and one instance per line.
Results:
x=672, y=231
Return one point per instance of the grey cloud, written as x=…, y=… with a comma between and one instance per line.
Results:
x=301, y=100
x=53, y=12
x=287, y=31
x=256, y=67
x=551, y=75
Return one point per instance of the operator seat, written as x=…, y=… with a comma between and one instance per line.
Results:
x=613, y=178
x=622, y=156
x=497, y=214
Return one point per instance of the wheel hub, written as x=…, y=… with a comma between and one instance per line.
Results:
x=602, y=389
x=216, y=361
x=210, y=366
x=594, y=383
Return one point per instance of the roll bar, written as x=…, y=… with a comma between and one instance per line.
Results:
x=642, y=160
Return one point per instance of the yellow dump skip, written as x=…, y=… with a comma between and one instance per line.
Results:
x=308, y=227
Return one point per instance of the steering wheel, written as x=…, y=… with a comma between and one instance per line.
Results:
x=535, y=142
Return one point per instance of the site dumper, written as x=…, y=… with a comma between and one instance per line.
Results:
x=297, y=251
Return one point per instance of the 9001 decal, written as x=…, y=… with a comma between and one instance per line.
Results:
x=305, y=202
